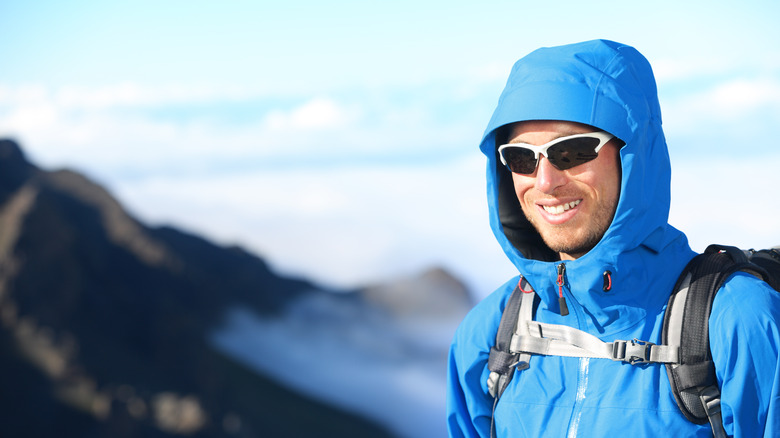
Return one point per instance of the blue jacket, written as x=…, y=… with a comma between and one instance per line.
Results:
x=609, y=86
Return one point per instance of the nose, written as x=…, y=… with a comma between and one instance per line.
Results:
x=548, y=177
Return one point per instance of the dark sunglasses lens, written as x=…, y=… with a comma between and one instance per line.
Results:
x=519, y=160
x=573, y=152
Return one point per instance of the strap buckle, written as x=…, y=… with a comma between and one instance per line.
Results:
x=634, y=351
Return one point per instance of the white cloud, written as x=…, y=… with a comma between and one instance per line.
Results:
x=121, y=94
x=737, y=98
x=668, y=70
x=729, y=201
x=741, y=110
x=318, y=113
x=743, y=96
x=93, y=129
x=118, y=130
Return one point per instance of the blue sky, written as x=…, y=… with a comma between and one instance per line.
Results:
x=339, y=139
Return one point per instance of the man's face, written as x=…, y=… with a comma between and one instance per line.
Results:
x=571, y=209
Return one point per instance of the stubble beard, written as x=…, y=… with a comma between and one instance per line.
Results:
x=572, y=240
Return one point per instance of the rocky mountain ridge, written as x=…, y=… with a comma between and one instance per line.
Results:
x=105, y=321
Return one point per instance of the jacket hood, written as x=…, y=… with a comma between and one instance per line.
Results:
x=607, y=85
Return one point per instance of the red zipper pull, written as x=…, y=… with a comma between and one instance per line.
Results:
x=561, y=300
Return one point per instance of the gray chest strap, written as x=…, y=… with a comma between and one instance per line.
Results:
x=532, y=337
x=560, y=340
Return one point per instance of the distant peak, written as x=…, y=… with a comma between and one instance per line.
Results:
x=11, y=153
x=433, y=292
x=14, y=167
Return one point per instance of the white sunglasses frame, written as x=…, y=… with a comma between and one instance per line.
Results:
x=603, y=137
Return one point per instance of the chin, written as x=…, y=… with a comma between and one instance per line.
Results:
x=569, y=245
x=574, y=249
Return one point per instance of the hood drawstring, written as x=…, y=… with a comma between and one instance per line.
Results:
x=561, y=300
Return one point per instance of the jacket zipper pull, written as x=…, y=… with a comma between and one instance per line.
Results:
x=561, y=300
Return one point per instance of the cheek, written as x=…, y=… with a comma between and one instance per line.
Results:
x=605, y=175
x=615, y=173
x=522, y=185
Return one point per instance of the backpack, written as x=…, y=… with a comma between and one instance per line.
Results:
x=685, y=335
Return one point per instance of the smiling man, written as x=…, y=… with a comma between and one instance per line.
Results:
x=578, y=193
x=570, y=207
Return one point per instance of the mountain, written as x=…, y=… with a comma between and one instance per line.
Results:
x=104, y=323
x=112, y=328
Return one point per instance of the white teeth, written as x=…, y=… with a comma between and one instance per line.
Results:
x=558, y=209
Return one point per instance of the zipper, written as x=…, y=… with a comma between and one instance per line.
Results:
x=564, y=309
x=579, y=400
x=583, y=363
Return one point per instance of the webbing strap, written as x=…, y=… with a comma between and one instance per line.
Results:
x=501, y=360
x=524, y=318
x=561, y=340
x=508, y=321
x=710, y=400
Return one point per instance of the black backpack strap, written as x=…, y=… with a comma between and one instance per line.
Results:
x=501, y=361
x=686, y=320
x=769, y=261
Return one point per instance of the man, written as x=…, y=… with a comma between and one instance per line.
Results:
x=583, y=215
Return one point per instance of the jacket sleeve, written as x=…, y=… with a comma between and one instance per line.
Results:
x=745, y=345
x=466, y=413
x=469, y=404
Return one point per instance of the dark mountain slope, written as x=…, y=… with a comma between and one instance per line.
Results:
x=104, y=322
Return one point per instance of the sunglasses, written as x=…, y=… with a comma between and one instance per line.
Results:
x=563, y=153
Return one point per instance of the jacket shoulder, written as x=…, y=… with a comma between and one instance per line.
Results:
x=744, y=299
x=479, y=326
x=745, y=344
